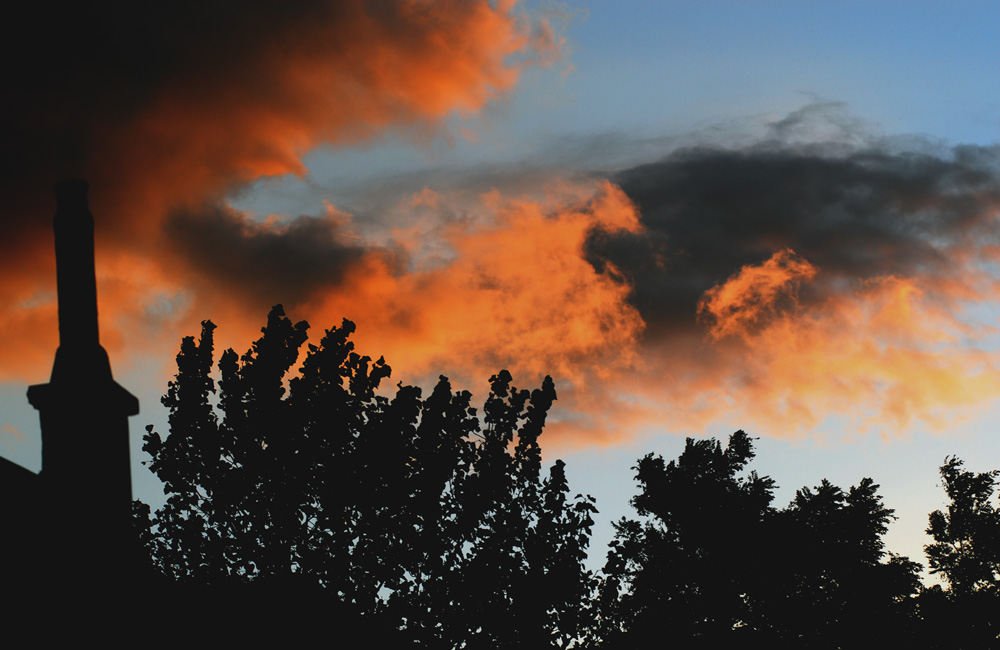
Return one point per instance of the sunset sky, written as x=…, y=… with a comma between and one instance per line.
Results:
x=700, y=216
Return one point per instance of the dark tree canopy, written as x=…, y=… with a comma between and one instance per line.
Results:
x=713, y=562
x=409, y=512
x=966, y=555
x=683, y=567
x=966, y=548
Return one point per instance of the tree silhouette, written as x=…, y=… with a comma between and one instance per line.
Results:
x=966, y=548
x=966, y=554
x=832, y=584
x=407, y=514
x=688, y=567
x=713, y=563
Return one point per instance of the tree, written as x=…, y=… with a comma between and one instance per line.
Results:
x=966, y=548
x=832, y=584
x=713, y=563
x=404, y=512
x=685, y=571
x=966, y=554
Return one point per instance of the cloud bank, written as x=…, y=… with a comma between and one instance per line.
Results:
x=818, y=280
x=769, y=284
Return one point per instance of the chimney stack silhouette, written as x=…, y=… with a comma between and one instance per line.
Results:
x=86, y=467
x=77, y=284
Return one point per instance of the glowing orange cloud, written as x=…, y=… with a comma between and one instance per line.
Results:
x=510, y=287
x=516, y=293
x=246, y=96
x=885, y=354
x=888, y=355
x=754, y=295
x=507, y=288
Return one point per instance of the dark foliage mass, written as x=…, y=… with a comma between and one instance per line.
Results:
x=409, y=517
x=714, y=561
x=715, y=564
x=421, y=522
x=966, y=555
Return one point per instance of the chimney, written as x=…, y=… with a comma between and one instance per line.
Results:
x=80, y=356
x=86, y=467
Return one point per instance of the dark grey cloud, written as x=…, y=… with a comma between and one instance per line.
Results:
x=855, y=215
x=266, y=263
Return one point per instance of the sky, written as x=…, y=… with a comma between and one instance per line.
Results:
x=697, y=217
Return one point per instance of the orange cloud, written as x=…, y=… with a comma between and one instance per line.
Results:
x=249, y=91
x=886, y=353
x=754, y=295
x=509, y=286
x=516, y=293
